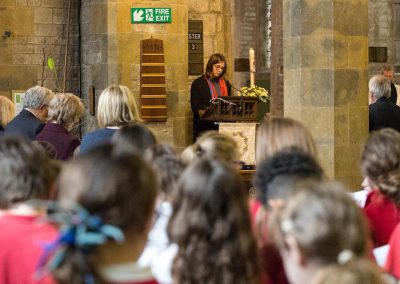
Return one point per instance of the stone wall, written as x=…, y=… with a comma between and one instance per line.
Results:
x=380, y=16
x=249, y=26
x=38, y=30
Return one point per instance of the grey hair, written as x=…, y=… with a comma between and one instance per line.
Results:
x=379, y=86
x=37, y=96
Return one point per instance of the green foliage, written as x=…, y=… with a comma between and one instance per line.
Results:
x=256, y=91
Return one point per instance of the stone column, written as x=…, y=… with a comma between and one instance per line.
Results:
x=326, y=79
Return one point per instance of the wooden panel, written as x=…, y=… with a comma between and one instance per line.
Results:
x=152, y=46
x=377, y=54
x=153, y=105
x=195, y=48
x=153, y=69
x=155, y=112
x=153, y=80
x=147, y=102
x=154, y=118
x=147, y=58
x=152, y=91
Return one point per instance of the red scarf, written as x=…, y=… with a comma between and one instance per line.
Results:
x=222, y=88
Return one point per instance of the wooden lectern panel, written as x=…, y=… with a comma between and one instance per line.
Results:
x=153, y=100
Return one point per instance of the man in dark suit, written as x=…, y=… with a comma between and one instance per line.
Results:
x=30, y=121
x=382, y=112
x=388, y=72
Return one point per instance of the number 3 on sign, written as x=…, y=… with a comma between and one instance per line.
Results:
x=193, y=46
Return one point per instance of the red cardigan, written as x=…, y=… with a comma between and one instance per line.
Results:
x=383, y=215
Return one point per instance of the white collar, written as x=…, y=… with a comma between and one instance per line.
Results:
x=125, y=272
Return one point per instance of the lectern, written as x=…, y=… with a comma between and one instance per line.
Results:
x=232, y=109
x=237, y=117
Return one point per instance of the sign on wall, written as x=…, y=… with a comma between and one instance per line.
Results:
x=196, y=53
x=18, y=100
x=150, y=15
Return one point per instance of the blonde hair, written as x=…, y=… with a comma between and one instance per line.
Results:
x=215, y=146
x=282, y=132
x=324, y=220
x=117, y=106
x=65, y=109
x=7, y=110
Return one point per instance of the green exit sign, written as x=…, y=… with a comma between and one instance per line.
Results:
x=150, y=15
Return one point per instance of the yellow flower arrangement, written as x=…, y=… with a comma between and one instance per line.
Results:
x=256, y=91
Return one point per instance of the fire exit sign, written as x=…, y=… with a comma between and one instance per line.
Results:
x=150, y=15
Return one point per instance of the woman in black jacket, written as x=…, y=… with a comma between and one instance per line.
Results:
x=208, y=86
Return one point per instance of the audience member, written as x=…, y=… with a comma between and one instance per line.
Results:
x=275, y=179
x=320, y=225
x=380, y=163
x=133, y=138
x=382, y=112
x=213, y=145
x=211, y=226
x=26, y=174
x=30, y=121
x=48, y=148
x=65, y=110
x=159, y=251
x=107, y=202
x=117, y=107
x=7, y=110
x=282, y=132
x=388, y=72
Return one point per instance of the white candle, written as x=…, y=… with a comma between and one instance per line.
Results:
x=252, y=67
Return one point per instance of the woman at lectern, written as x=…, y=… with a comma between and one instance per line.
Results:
x=208, y=86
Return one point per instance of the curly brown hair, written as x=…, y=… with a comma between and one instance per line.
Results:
x=211, y=225
x=380, y=162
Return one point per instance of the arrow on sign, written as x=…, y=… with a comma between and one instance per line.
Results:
x=137, y=15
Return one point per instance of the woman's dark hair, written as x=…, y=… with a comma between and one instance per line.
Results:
x=167, y=165
x=275, y=177
x=214, y=59
x=380, y=162
x=211, y=225
x=118, y=188
x=133, y=138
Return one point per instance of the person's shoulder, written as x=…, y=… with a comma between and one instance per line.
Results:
x=199, y=80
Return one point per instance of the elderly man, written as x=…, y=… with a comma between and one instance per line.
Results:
x=30, y=121
x=382, y=111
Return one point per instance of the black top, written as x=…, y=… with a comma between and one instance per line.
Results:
x=393, y=96
x=200, y=96
x=384, y=113
x=25, y=124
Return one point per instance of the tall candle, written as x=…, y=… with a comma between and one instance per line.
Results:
x=252, y=67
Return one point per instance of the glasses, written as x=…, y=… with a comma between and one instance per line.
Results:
x=219, y=67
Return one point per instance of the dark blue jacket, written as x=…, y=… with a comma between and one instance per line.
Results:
x=24, y=124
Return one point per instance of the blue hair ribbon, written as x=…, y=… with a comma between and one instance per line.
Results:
x=81, y=231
